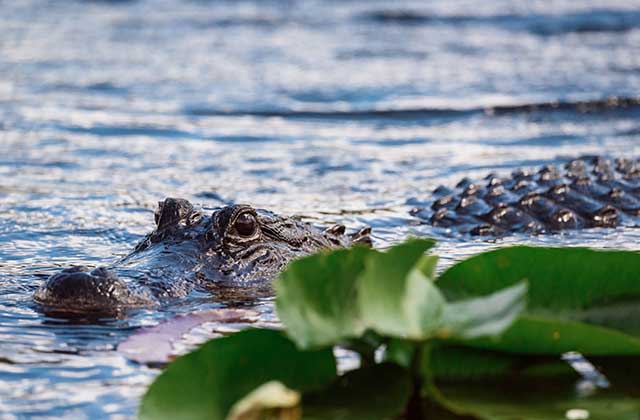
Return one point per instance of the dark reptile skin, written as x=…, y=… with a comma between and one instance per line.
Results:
x=588, y=192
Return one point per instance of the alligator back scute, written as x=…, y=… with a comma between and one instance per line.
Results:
x=588, y=192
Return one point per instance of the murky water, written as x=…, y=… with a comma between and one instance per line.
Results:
x=341, y=111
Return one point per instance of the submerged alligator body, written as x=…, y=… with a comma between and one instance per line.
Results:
x=236, y=247
x=587, y=192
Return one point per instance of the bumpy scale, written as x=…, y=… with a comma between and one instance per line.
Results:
x=588, y=192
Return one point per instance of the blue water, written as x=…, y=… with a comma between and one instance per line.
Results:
x=339, y=111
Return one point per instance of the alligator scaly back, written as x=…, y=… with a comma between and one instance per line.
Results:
x=587, y=192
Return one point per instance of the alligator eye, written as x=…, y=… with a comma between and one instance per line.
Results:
x=246, y=224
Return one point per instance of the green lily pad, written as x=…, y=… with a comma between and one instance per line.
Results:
x=560, y=279
x=335, y=297
x=376, y=392
x=579, y=299
x=485, y=316
x=316, y=297
x=271, y=400
x=207, y=382
x=396, y=299
x=536, y=400
x=532, y=334
x=453, y=364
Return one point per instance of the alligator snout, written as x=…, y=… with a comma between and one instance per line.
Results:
x=83, y=289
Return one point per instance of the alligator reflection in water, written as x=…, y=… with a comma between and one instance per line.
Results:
x=237, y=247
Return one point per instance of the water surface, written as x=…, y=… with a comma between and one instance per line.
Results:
x=339, y=111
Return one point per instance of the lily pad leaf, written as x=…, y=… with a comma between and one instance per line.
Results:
x=561, y=280
x=579, y=299
x=376, y=392
x=527, y=399
x=484, y=316
x=332, y=297
x=454, y=363
x=271, y=400
x=533, y=334
x=316, y=297
x=400, y=352
x=396, y=298
x=208, y=382
x=427, y=265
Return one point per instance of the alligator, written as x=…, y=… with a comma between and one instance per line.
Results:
x=236, y=247
x=588, y=192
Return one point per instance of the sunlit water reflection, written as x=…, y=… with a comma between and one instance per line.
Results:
x=346, y=112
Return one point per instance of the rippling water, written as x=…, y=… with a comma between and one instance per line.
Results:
x=348, y=111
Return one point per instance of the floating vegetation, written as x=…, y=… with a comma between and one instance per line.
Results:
x=518, y=332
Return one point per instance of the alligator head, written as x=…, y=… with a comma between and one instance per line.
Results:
x=237, y=247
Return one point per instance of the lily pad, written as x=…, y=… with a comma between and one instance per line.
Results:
x=485, y=316
x=579, y=299
x=537, y=400
x=206, y=383
x=532, y=334
x=395, y=297
x=336, y=297
x=376, y=392
x=271, y=400
x=316, y=297
x=561, y=280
